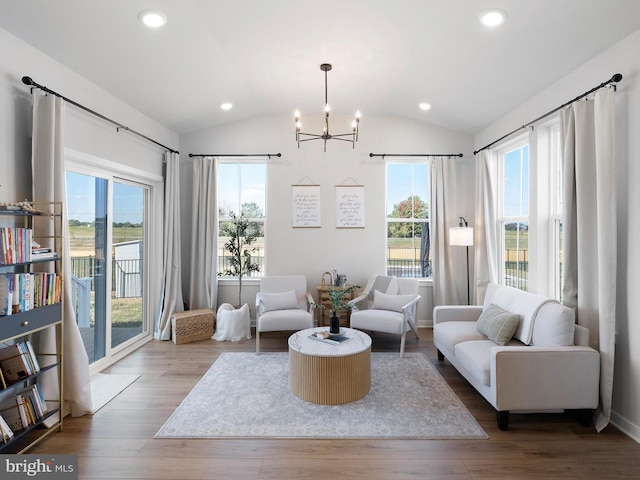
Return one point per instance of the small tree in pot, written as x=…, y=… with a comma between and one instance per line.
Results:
x=336, y=298
x=242, y=234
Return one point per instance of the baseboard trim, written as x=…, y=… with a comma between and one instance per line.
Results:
x=625, y=426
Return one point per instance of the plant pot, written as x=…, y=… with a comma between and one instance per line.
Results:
x=334, y=323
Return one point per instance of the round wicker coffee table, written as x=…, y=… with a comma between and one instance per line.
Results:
x=330, y=374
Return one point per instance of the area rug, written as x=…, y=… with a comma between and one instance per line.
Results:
x=106, y=387
x=244, y=395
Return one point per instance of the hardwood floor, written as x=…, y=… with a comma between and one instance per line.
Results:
x=117, y=442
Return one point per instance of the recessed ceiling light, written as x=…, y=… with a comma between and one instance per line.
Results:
x=226, y=106
x=493, y=17
x=152, y=18
x=425, y=106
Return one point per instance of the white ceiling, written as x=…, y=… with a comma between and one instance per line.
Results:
x=264, y=55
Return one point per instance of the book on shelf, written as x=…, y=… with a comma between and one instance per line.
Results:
x=18, y=361
x=23, y=409
x=15, y=245
x=14, y=411
x=6, y=294
x=20, y=292
x=5, y=431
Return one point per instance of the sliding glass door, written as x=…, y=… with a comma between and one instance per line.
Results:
x=107, y=217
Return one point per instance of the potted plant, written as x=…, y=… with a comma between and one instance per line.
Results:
x=336, y=298
x=242, y=234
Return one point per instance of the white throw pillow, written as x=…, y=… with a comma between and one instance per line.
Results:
x=279, y=301
x=382, y=301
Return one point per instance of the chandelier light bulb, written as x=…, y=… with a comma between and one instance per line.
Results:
x=351, y=137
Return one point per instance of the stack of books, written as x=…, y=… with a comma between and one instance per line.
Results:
x=23, y=409
x=15, y=245
x=17, y=361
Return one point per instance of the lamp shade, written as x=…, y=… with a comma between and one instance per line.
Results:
x=461, y=236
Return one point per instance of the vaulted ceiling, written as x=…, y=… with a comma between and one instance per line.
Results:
x=264, y=56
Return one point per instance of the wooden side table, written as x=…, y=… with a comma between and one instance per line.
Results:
x=323, y=299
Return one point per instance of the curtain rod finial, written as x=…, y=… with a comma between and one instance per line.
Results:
x=617, y=77
x=27, y=80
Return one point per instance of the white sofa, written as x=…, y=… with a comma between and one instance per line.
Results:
x=546, y=366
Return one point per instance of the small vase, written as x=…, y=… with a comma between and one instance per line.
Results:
x=334, y=323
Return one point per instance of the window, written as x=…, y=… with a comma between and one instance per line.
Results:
x=513, y=213
x=241, y=191
x=110, y=217
x=407, y=218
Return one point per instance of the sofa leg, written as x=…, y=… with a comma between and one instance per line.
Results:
x=584, y=417
x=440, y=355
x=503, y=420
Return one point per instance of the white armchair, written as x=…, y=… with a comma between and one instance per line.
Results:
x=283, y=303
x=389, y=305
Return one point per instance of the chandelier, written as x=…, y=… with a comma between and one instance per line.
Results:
x=345, y=137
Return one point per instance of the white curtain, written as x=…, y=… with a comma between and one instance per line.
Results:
x=589, y=229
x=443, y=216
x=170, y=300
x=203, y=289
x=485, y=241
x=48, y=173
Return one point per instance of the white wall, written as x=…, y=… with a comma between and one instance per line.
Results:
x=621, y=58
x=84, y=132
x=358, y=253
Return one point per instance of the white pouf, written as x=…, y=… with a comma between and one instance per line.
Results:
x=232, y=323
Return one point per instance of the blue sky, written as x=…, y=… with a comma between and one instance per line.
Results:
x=128, y=200
x=251, y=176
x=516, y=182
x=403, y=179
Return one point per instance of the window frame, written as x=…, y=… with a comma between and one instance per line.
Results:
x=501, y=219
x=261, y=220
x=413, y=220
x=87, y=164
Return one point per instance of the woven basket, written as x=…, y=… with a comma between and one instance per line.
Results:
x=192, y=325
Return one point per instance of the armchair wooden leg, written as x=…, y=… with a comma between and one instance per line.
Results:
x=402, y=342
x=440, y=355
x=503, y=420
x=257, y=340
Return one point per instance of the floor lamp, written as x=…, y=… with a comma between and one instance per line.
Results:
x=462, y=236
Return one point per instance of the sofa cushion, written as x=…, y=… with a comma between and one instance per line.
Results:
x=517, y=301
x=279, y=301
x=449, y=334
x=394, y=303
x=554, y=327
x=497, y=324
x=475, y=356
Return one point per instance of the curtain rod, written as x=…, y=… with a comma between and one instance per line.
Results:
x=29, y=81
x=615, y=79
x=415, y=155
x=235, y=155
